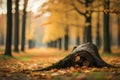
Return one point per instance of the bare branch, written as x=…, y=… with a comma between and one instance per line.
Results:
x=112, y=11
x=115, y=11
x=77, y=9
x=80, y=2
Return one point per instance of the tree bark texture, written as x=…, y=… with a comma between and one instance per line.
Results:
x=66, y=40
x=87, y=29
x=82, y=55
x=24, y=27
x=78, y=40
x=8, y=47
x=106, y=30
x=118, y=31
x=60, y=43
x=16, y=28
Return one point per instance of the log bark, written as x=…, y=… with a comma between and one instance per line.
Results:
x=82, y=55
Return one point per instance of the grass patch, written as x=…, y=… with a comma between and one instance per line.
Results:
x=4, y=57
x=25, y=58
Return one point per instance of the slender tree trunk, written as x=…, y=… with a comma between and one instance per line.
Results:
x=49, y=44
x=118, y=31
x=54, y=44
x=24, y=27
x=98, y=31
x=87, y=29
x=78, y=40
x=31, y=43
x=66, y=37
x=23, y=32
x=66, y=41
x=16, y=30
x=60, y=43
x=106, y=32
x=8, y=47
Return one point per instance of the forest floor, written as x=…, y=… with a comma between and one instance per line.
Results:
x=12, y=68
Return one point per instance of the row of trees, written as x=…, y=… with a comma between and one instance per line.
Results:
x=63, y=15
x=16, y=29
x=61, y=11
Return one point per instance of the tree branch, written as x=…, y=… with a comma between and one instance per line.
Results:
x=80, y=2
x=78, y=10
x=108, y=11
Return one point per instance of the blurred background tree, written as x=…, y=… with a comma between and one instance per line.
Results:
x=24, y=26
x=16, y=27
x=8, y=47
x=59, y=24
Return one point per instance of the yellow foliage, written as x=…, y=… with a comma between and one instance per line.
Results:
x=30, y=27
x=53, y=32
x=62, y=15
x=2, y=23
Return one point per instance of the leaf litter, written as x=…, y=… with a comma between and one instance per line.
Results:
x=17, y=69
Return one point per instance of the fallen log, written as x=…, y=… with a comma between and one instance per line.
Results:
x=82, y=55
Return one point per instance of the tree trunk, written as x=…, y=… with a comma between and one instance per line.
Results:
x=60, y=43
x=31, y=43
x=83, y=55
x=24, y=27
x=87, y=29
x=8, y=46
x=49, y=44
x=78, y=40
x=16, y=28
x=98, y=31
x=106, y=32
x=66, y=41
x=55, y=43
x=118, y=31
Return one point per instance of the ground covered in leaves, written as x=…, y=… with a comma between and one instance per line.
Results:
x=19, y=67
